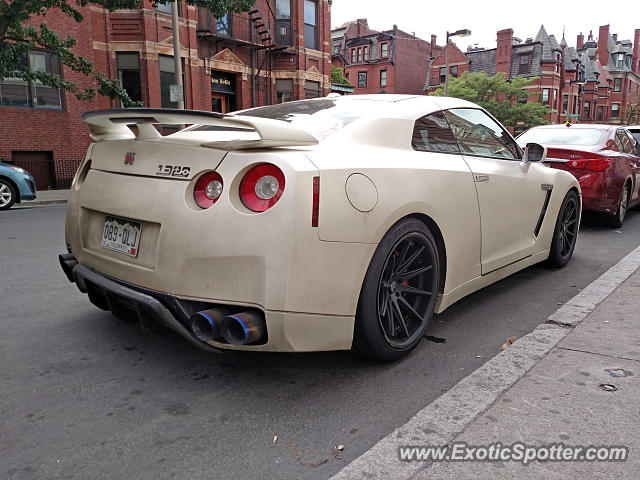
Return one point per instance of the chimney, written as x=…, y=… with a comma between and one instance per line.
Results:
x=503, y=52
x=636, y=52
x=590, y=37
x=603, y=40
x=580, y=41
x=363, y=26
x=434, y=44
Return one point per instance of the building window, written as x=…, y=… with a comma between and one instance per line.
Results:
x=556, y=99
x=620, y=60
x=587, y=109
x=565, y=104
x=311, y=89
x=168, y=78
x=359, y=54
x=523, y=98
x=223, y=25
x=166, y=7
x=283, y=22
x=575, y=105
x=617, y=85
x=353, y=55
x=384, y=50
x=443, y=74
x=383, y=78
x=454, y=71
x=600, y=114
x=15, y=92
x=284, y=90
x=615, y=110
x=362, y=79
x=525, y=64
x=336, y=50
x=310, y=24
x=128, y=65
x=365, y=51
x=545, y=96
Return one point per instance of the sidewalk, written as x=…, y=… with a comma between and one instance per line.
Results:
x=47, y=197
x=544, y=389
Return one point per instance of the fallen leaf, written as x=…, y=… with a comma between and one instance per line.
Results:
x=506, y=344
x=275, y=438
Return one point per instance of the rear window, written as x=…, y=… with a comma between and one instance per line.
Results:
x=320, y=117
x=635, y=132
x=563, y=136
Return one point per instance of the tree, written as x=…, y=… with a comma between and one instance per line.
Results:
x=631, y=111
x=18, y=38
x=337, y=76
x=499, y=96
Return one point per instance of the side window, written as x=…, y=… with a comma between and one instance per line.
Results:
x=627, y=146
x=478, y=134
x=432, y=134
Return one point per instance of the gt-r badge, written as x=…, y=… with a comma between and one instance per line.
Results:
x=129, y=158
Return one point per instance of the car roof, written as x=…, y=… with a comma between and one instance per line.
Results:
x=597, y=126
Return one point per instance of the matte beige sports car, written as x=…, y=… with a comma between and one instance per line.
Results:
x=328, y=224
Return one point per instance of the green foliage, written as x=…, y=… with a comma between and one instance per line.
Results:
x=337, y=76
x=18, y=39
x=499, y=97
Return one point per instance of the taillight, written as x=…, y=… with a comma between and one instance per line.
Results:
x=598, y=164
x=316, y=201
x=262, y=187
x=208, y=189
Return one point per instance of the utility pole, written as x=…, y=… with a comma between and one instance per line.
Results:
x=176, y=52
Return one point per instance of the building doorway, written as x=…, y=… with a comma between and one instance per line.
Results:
x=223, y=91
x=38, y=164
x=220, y=103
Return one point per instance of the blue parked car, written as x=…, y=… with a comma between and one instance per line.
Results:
x=16, y=184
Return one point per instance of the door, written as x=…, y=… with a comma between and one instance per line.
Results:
x=627, y=146
x=511, y=193
x=38, y=164
x=220, y=103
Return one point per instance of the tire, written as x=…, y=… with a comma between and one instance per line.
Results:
x=399, y=292
x=7, y=195
x=565, y=233
x=617, y=219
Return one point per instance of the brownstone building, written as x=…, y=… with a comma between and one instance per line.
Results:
x=391, y=61
x=592, y=82
x=278, y=51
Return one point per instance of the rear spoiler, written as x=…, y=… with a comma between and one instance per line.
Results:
x=112, y=125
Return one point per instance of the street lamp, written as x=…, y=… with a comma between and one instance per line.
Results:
x=465, y=32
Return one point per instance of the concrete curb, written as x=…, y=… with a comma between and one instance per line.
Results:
x=37, y=203
x=448, y=416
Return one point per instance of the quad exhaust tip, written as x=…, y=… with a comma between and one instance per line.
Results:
x=236, y=329
x=68, y=263
x=243, y=328
x=205, y=325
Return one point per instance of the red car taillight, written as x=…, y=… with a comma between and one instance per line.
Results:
x=262, y=187
x=598, y=164
x=208, y=189
x=316, y=201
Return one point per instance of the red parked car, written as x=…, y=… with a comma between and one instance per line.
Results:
x=604, y=158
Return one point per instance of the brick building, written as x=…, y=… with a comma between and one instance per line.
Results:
x=391, y=61
x=279, y=51
x=589, y=83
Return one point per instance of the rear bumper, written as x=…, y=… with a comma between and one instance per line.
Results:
x=286, y=331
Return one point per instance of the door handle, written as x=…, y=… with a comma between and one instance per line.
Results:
x=480, y=178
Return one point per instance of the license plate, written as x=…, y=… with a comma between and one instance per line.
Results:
x=121, y=235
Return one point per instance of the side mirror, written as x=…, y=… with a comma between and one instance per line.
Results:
x=534, y=152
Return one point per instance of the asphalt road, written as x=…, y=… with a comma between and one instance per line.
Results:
x=86, y=396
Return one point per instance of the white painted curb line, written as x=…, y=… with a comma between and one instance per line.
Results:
x=448, y=416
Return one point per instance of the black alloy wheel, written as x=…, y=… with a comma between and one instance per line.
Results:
x=399, y=293
x=566, y=231
x=617, y=219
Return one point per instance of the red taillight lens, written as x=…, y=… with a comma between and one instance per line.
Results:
x=598, y=164
x=208, y=189
x=316, y=201
x=262, y=187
